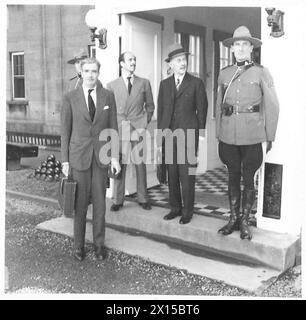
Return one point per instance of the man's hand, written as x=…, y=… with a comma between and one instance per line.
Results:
x=65, y=168
x=269, y=146
x=149, y=116
x=115, y=166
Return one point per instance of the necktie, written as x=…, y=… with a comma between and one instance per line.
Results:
x=91, y=105
x=129, y=85
x=177, y=85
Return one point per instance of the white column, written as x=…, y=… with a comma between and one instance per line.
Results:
x=285, y=59
x=108, y=57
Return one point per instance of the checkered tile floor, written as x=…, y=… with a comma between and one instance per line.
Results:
x=212, y=181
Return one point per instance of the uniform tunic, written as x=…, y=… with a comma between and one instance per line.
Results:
x=252, y=85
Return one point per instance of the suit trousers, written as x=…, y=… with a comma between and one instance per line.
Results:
x=181, y=185
x=141, y=180
x=91, y=182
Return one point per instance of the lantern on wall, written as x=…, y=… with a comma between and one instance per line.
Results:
x=92, y=21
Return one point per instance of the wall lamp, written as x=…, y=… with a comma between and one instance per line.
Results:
x=276, y=22
x=92, y=22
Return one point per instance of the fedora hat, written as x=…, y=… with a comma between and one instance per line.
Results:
x=77, y=56
x=175, y=50
x=242, y=33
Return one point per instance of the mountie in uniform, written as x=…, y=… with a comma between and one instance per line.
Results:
x=251, y=100
x=246, y=118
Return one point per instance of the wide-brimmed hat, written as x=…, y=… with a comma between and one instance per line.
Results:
x=175, y=50
x=242, y=33
x=77, y=56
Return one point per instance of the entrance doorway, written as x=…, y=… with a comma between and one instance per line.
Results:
x=190, y=25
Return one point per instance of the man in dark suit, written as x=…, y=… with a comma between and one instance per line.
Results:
x=87, y=112
x=135, y=107
x=182, y=106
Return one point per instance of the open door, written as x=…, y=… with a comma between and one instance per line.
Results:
x=143, y=38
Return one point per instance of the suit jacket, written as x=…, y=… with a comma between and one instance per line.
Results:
x=185, y=108
x=79, y=135
x=133, y=107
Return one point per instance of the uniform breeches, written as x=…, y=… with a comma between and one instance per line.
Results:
x=241, y=160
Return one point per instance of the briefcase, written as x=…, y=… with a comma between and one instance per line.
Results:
x=66, y=197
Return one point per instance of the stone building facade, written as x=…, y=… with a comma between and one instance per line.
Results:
x=40, y=41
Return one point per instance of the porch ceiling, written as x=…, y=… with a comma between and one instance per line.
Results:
x=222, y=18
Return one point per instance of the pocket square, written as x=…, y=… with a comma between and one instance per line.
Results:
x=106, y=107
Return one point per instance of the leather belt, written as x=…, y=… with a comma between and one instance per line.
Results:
x=228, y=110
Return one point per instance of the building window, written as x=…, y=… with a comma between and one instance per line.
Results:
x=18, y=82
x=222, y=58
x=192, y=39
x=92, y=51
x=226, y=57
x=194, y=45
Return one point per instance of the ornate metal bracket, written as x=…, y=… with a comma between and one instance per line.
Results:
x=101, y=37
x=276, y=22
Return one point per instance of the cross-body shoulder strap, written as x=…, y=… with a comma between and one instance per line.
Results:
x=234, y=77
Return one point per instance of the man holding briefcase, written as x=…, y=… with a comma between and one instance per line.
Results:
x=86, y=112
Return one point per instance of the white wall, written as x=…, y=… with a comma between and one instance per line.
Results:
x=285, y=58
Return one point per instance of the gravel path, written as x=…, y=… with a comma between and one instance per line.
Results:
x=41, y=262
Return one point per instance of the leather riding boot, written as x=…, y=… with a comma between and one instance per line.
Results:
x=248, y=199
x=234, y=200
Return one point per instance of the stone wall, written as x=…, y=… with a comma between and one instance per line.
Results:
x=48, y=35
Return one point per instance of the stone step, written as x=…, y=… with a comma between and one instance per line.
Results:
x=196, y=247
x=248, y=277
x=267, y=248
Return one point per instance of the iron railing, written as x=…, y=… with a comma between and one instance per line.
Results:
x=40, y=139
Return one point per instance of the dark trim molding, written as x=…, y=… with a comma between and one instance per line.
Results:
x=219, y=35
x=149, y=17
x=189, y=28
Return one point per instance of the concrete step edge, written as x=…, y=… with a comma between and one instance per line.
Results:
x=266, y=248
x=247, y=277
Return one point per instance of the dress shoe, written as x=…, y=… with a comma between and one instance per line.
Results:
x=115, y=207
x=79, y=254
x=171, y=215
x=146, y=205
x=184, y=220
x=100, y=253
